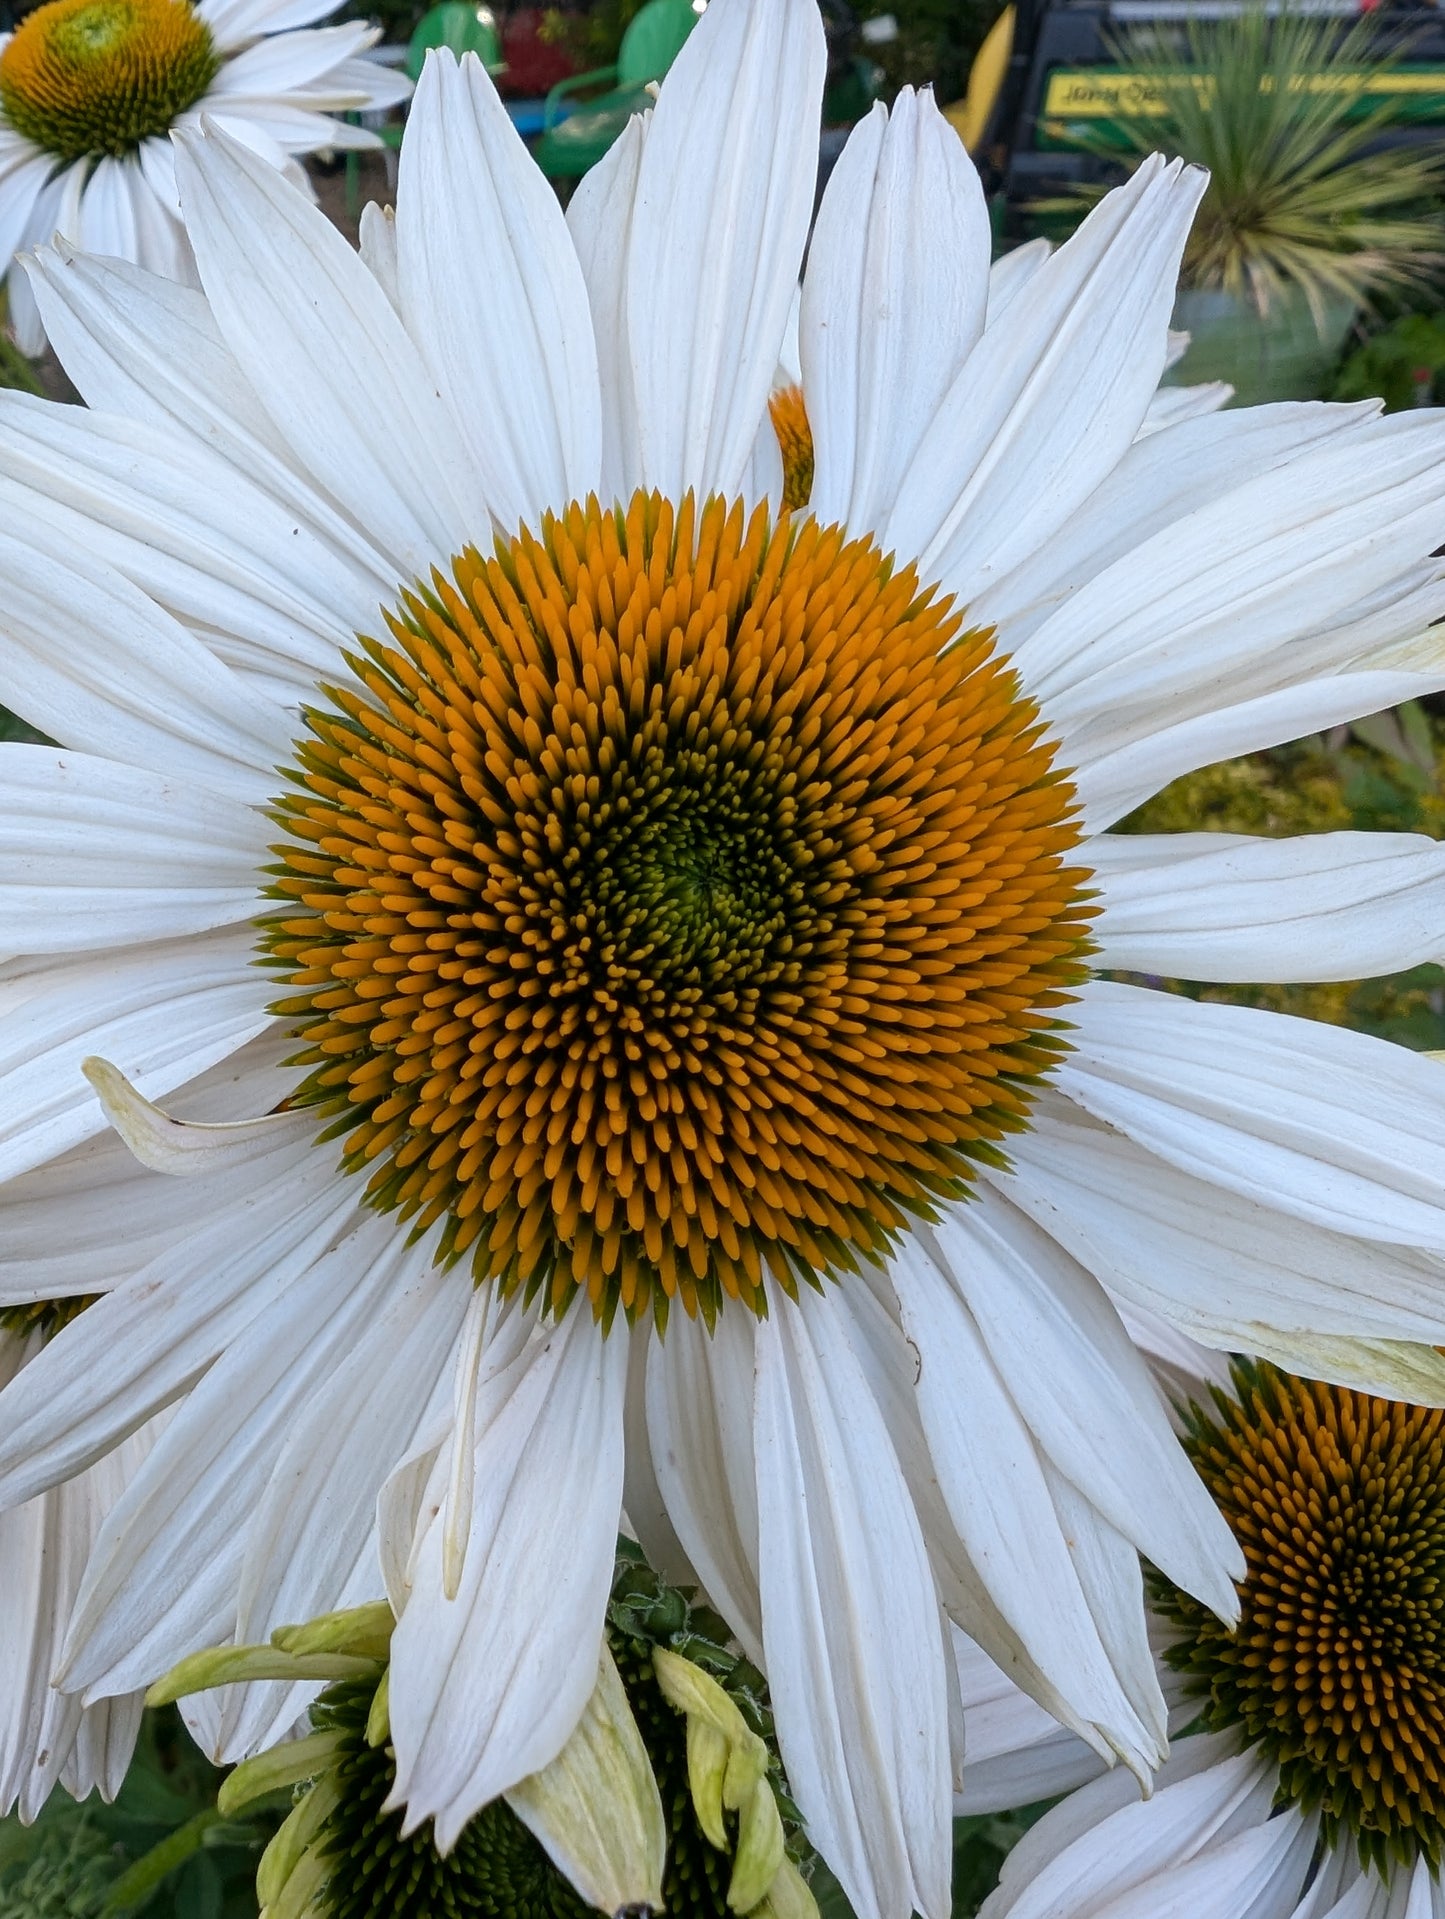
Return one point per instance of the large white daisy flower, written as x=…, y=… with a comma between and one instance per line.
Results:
x=1317, y=1790
x=91, y=90
x=687, y=910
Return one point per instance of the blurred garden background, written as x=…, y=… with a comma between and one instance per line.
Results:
x=1316, y=273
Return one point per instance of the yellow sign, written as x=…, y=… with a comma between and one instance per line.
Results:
x=1102, y=93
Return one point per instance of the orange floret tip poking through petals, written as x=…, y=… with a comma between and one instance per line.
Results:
x=1337, y=1667
x=795, y=442
x=671, y=899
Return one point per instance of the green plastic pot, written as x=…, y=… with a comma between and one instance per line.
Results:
x=1283, y=355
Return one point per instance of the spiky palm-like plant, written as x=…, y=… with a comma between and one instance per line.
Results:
x=1300, y=196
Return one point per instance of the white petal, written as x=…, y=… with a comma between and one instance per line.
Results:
x=851, y=1628
x=1234, y=1273
x=320, y=343
x=724, y=197
x=700, y=1428
x=233, y=22
x=23, y=174
x=137, y=345
x=1109, y=788
x=893, y=303
x=1207, y=1824
x=163, y=1013
x=484, y=257
x=1172, y=405
x=266, y=581
x=1046, y=406
x=487, y=1688
x=93, y=854
x=377, y=245
x=1330, y=1126
x=148, y=1341
x=286, y=61
x=999, y=1498
x=1015, y=1753
x=1158, y=482
x=89, y=659
x=1245, y=594
x=1011, y=272
x=599, y=218
x=1086, y=1394
x=167, y=1562
x=1220, y=906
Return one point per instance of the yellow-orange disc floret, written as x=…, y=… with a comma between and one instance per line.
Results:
x=794, y=435
x=674, y=898
x=1337, y=1666
x=85, y=78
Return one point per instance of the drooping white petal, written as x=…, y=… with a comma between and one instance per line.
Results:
x=376, y=242
x=487, y=1687
x=186, y=1148
x=1078, y=1687
x=851, y=1627
x=1230, y=1271
x=151, y=1338
x=90, y=660
x=234, y=22
x=1173, y=405
x=724, y=196
x=1046, y=406
x=315, y=1524
x=167, y=1562
x=324, y=350
x=45, y=1735
x=163, y=1013
x=95, y=854
x=1015, y=1753
x=297, y=59
x=1330, y=1126
x=484, y=256
x=1085, y=1392
x=893, y=303
x=599, y=218
x=992, y=1477
x=117, y=1217
x=700, y=1426
x=1222, y=906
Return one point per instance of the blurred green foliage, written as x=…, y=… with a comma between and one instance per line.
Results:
x=1403, y=363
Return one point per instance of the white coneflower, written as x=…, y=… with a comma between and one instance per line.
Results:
x=91, y=90
x=1316, y=1789
x=681, y=921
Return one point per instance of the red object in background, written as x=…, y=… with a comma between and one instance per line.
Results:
x=532, y=65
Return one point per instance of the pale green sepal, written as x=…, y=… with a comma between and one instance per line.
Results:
x=236, y=1665
x=691, y=1690
x=759, y=1856
x=789, y=1897
x=747, y=1767
x=300, y=1896
x=301, y=1826
x=363, y=1631
x=1386, y=1368
x=281, y=1766
x=596, y=1810
x=378, y=1720
x=707, y=1762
